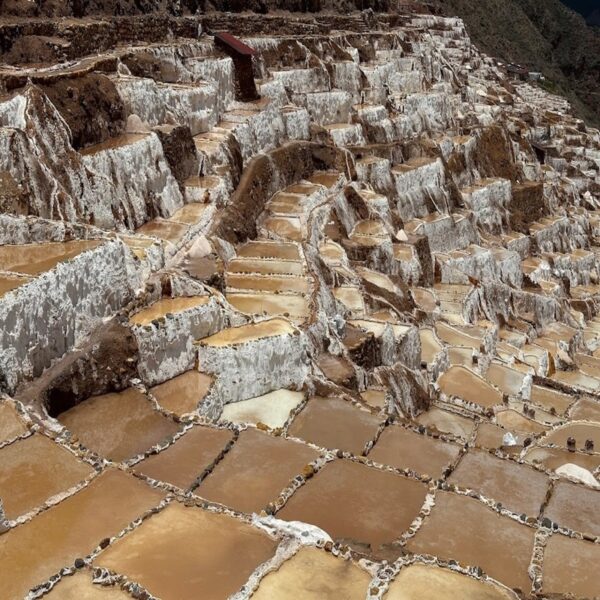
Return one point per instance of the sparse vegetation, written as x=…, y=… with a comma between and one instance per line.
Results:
x=543, y=36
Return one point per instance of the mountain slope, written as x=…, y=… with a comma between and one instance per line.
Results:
x=545, y=36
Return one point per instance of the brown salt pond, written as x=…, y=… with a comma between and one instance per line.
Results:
x=11, y=425
x=35, y=550
x=165, y=306
x=336, y=368
x=182, y=462
x=576, y=507
x=358, y=505
x=167, y=231
x=271, y=304
x=265, y=249
x=586, y=409
x=313, y=574
x=464, y=529
x=374, y=397
x=250, y=333
x=515, y=421
x=270, y=283
x=571, y=567
x=424, y=299
x=119, y=141
x=10, y=283
x=118, y=426
x=285, y=227
x=189, y=214
x=188, y=553
x=406, y=449
x=33, y=259
x=580, y=431
x=424, y=582
x=351, y=298
x=466, y=384
x=430, y=346
x=80, y=587
x=553, y=458
x=33, y=470
x=550, y=399
x=255, y=471
x=262, y=266
x=272, y=409
x=335, y=423
x=455, y=336
x=459, y=355
x=506, y=379
x=492, y=436
x=447, y=422
x=518, y=487
x=578, y=380
x=182, y=394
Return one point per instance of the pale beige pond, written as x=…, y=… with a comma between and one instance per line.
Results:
x=250, y=333
x=165, y=306
x=313, y=574
x=422, y=582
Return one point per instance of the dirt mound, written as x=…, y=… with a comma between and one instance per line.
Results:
x=90, y=105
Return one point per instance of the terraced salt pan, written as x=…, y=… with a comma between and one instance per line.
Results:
x=339, y=492
x=165, y=306
x=264, y=266
x=447, y=422
x=313, y=574
x=570, y=567
x=255, y=471
x=186, y=553
x=456, y=336
x=182, y=394
x=11, y=282
x=287, y=228
x=351, y=298
x=579, y=431
x=465, y=530
x=550, y=399
x=182, y=462
x=33, y=470
x=35, y=550
x=510, y=381
x=423, y=582
x=272, y=409
x=11, y=425
x=576, y=507
x=335, y=423
x=430, y=346
x=553, y=458
x=250, y=333
x=80, y=587
x=578, y=380
x=375, y=398
x=519, y=488
x=118, y=426
x=34, y=259
x=406, y=449
x=274, y=304
x=168, y=231
x=266, y=249
x=463, y=383
x=586, y=409
x=269, y=283
x=516, y=422
x=492, y=437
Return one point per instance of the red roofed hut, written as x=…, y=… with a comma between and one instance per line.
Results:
x=242, y=60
